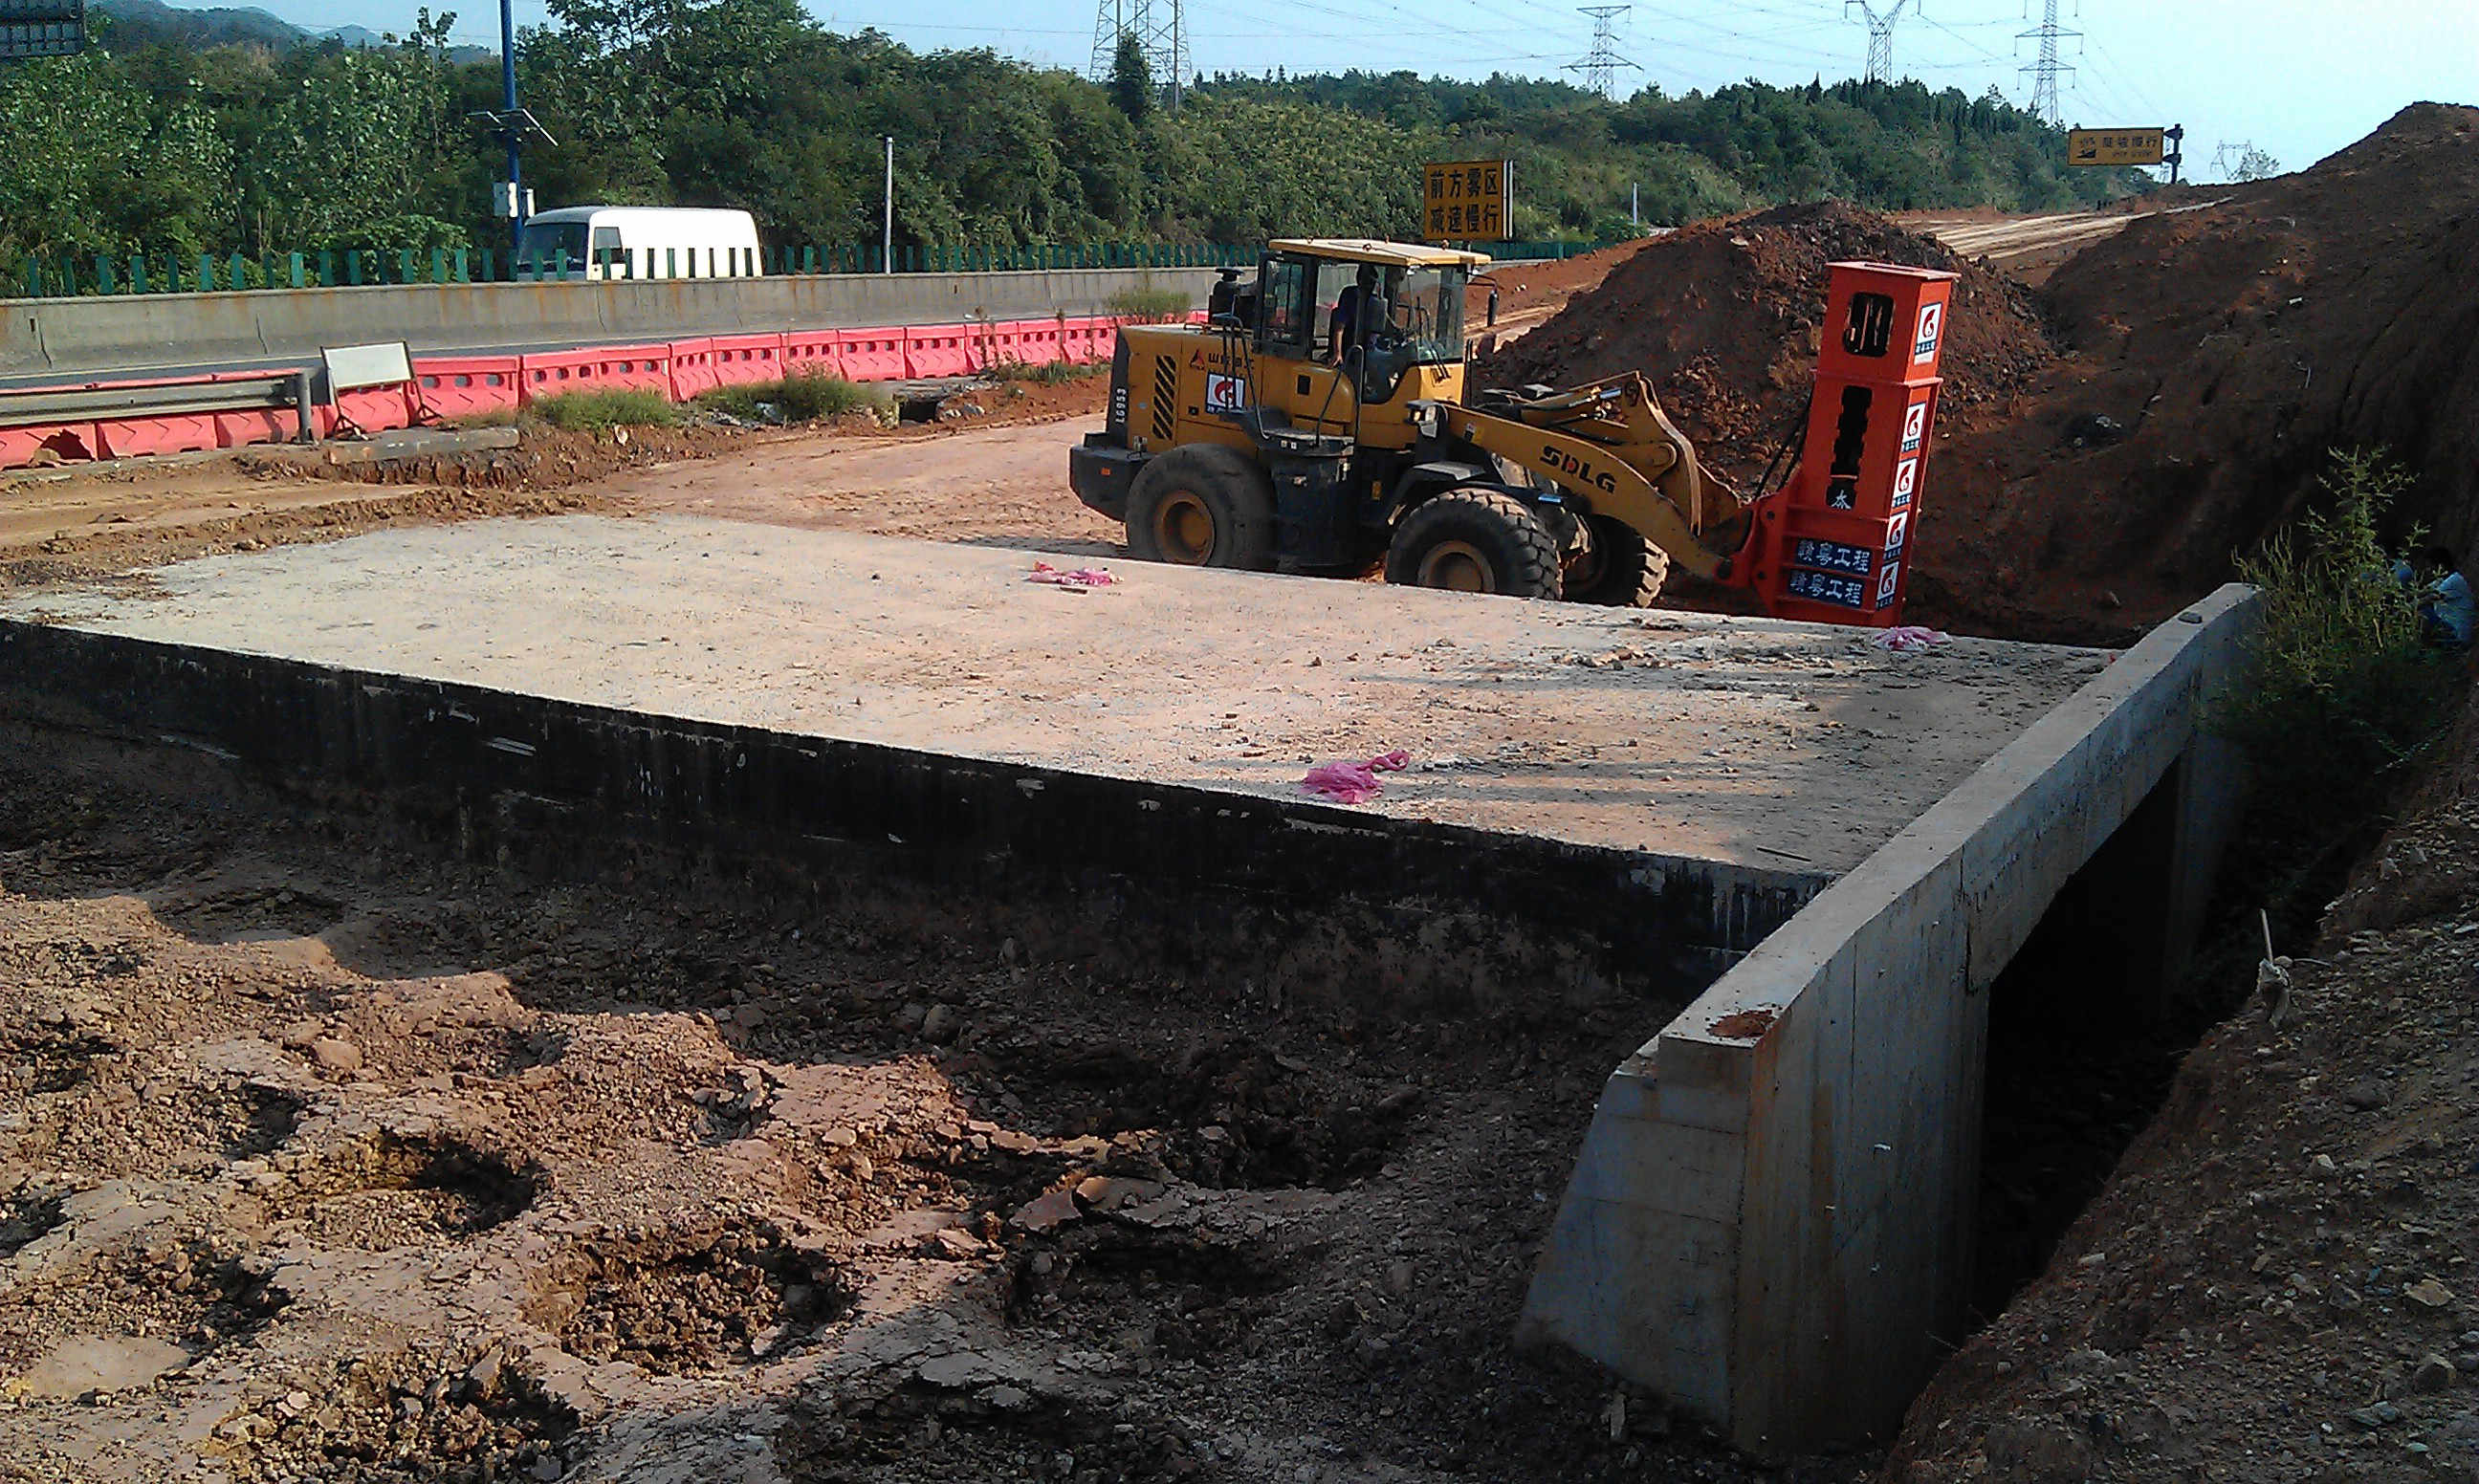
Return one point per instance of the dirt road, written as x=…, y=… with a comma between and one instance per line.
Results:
x=997, y=486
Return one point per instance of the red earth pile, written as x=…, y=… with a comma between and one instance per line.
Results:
x=2195, y=373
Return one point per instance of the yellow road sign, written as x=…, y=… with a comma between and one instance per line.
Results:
x=1468, y=201
x=2114, y=146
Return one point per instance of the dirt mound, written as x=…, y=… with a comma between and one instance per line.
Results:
x=2110, y=443
x=2228, y=347
x=1727, y=318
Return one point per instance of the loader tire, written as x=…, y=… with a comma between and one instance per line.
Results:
x=1619, y=569
x=1203, y=505
x=1474, y=541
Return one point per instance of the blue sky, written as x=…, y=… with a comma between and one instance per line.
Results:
x=2297, y=78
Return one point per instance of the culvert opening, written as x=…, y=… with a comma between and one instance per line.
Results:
x=1223, y=1112
x=401, y=1192
x=692, y=1302
x=2086, y=1029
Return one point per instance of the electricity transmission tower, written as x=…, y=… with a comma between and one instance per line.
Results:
x=1601, y=63
x=1161, y=30
x=2045, y=69
x=1880, y=37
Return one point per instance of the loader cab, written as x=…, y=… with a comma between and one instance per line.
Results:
x=1347, y=332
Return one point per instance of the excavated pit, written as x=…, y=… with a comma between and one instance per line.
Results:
x=397, y=1193
x=464, y=1418
x=684, y=1303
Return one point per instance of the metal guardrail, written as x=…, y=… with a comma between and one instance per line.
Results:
x=257, y=391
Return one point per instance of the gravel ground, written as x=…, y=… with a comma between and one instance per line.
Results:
x=326, y=1156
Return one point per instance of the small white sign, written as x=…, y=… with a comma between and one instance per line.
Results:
x=1915, y=426
x=1897, y=531
x=1906, y=479
x=1924, y=346
x=1225, y=394
x=1887, y=583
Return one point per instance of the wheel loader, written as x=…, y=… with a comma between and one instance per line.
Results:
x=1318, y=422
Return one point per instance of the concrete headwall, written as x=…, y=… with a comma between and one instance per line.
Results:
x=1770, y=1218
x=133, y=332
x=529, y=777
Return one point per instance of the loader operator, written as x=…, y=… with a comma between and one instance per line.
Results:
x=1352, y=310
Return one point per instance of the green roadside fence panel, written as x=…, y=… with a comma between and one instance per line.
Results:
x=438, y=265
x=33, y=279
x=560, y=258
x=294, y=268
x=206, y=274
x=353, y=265
x=490, y=267
x=810, y=259
x=328, y=269
x=103, y=282
x=461, y=276
x=236, y=272
x=404, y=264
x=671, y=262
x=137, y=274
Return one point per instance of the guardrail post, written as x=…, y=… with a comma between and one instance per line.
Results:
x=307, y=431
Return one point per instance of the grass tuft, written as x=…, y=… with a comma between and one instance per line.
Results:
x=603, y=410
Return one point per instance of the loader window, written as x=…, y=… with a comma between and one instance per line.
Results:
x=1287, y=315
x=1424, y=325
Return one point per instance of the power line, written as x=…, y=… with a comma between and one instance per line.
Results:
x=2044, y=70
x=1601, y=63
x=1880, y=37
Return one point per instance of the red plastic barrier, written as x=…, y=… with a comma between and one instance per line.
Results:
x=741, y=359
x=377, y=409
x=73, y=442
x=239, y=429
x=811, y=350
x=1037, y=342
x=601, y=368
x=938, y=351
x=462, y=386
x=1088, y=340
x=692, y=369
x=871, y=355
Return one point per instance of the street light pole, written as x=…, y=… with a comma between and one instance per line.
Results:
x=886, y=248
x=508, y=103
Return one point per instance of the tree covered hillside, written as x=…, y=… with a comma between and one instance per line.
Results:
x=148, y=143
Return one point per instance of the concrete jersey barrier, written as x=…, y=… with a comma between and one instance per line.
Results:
x=1771, y=1219
x=122, y=335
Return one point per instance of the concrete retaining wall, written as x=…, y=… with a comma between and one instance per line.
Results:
x=119, y=334
x=526, y=776
x=1770, y=1218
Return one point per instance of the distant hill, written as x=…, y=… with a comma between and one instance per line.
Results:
x=137, y=23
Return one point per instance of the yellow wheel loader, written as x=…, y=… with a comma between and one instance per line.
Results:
x=1317, y=423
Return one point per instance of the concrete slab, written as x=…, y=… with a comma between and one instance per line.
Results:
x=1734, y=740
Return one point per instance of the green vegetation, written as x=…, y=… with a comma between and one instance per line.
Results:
x=2346, y=693
x=1048, y=373
x=1154, y=306
x=166, y=141
x=804, y=395
x=601, y=411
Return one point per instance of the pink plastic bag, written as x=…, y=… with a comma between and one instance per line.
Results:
x=1353, y=783
x=1082, y=577
x=1909, y=637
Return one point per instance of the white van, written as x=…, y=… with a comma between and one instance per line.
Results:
x=641, y=242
